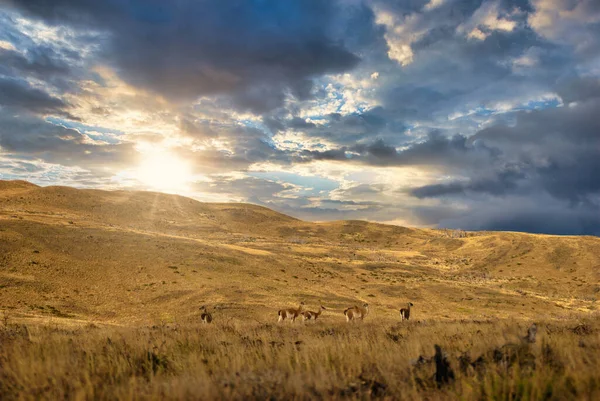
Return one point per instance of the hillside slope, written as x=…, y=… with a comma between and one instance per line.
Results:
x=126, y=257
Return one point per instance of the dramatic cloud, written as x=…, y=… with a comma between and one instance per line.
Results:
x=38, y=62
x=476, y=114
x=255, y=51
x=551, y=153
x=19, y=95
x=51, y=143
x=435, y=151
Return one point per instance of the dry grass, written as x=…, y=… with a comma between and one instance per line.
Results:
x=85, y=275
x=239, y=360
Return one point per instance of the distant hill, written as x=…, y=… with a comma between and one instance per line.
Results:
x=122, y=256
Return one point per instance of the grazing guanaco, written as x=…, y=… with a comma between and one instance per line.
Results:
x=405, y=312
x=356, y=312
x=290, y=313
x=206, y=317
x=311, y=315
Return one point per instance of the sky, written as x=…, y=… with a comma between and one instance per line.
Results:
x=466, y=114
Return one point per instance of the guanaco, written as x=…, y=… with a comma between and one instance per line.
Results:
x=290, y=313
x=356, y=312
x=405, y=312
x=311, y=315
x=206, y=317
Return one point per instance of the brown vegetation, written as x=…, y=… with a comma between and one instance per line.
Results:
x=241, y=360
x=100, y=291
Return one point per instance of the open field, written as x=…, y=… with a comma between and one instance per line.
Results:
x=101, y=293
x=238, y=360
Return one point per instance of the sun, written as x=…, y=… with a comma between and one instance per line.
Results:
x=163, y=171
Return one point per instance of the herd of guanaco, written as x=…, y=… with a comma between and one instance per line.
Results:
x=352, y=313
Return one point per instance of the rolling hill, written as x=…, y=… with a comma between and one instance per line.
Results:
x=125, y=257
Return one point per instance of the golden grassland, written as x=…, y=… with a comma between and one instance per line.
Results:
x=101, y=291
x=242, y=360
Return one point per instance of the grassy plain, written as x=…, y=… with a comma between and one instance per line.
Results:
x=238, y=360
x=100, y=292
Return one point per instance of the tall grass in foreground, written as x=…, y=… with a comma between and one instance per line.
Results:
x=238, y=360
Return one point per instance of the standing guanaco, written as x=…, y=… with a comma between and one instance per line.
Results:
x=405, y=312
x=206, y=317
x=356, y=312
x=290, y=313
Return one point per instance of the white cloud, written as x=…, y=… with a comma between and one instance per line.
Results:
x=7, y=45
x=476, y=33
x=400, y=33
x=434, y=4
x=485, y=20
x=346, y=93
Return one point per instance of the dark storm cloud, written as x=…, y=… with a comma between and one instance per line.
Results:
x=255, y=50
x=574, y=179
x=37, y=61
x=539, y=214
x=435, y=150
x=579, y=89
x=333, y=155
x=499, y=184
x=344, y=129
x=549, y=157
x=34, y=137
x=554, y=150
x=297, y=123
x=19, y=95
x=553, y=128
